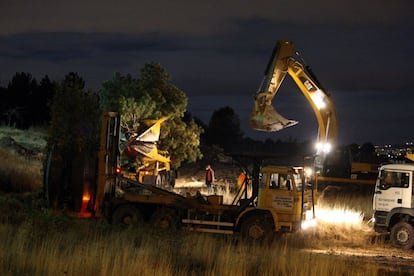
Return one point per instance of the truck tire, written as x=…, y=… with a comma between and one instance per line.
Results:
x=402, y=235
x=165, y=219
x=126, y=215
x=257, y=228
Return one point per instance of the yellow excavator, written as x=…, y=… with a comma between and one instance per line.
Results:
x=264, y=117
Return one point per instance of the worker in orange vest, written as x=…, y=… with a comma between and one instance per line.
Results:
x=209, y=179
x=242, y=179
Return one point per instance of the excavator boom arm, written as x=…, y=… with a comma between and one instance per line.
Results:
x=264, y=116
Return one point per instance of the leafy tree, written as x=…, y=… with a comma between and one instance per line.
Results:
x=152, y=96
x=75, y=116
x=224, y=128
x=113, y=90
x=134, y=111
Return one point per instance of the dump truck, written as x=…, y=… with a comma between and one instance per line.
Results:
x=281, y=199
x=286, y=60
x=393, y=204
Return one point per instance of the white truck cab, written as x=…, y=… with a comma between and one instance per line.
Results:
x=393, y=204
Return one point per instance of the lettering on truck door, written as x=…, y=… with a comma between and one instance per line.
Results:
x=282, y=201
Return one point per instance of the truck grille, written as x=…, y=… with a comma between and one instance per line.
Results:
x=380, y=218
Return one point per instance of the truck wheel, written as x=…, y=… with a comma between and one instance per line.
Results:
x=402, y=235
x=165, y=219
x=127, y=215
x=257, y=228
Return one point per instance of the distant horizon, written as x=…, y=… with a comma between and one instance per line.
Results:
x=293, y=105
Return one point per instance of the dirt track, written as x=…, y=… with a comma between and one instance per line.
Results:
x=389, y=260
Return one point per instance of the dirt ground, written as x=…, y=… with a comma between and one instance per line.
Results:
x=192, y=177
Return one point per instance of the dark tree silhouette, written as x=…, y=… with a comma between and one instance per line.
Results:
x=367, y=153
x=224, y=128
x=73, y=139
x=19, y=95
x=25, y=103
x=39, y=103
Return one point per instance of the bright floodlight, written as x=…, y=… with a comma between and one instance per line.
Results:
x=318, y=99
x=306, y=224
x=308, y=171
x=323, y=147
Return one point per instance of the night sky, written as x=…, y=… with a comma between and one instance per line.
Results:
x=216, y=52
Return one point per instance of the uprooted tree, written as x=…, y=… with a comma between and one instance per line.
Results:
x=75, y=121
x=152, y=96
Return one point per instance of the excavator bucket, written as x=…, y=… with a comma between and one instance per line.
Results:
x=264, y=116
x=146, y=143
x=152, y=134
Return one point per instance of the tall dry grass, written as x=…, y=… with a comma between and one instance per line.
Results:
x=50, y=246
x=21, y=153
x=19, y=174
x=352, y=197
x=41, y=242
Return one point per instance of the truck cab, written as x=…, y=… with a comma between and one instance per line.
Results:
x=393, y=204
x=286, y=193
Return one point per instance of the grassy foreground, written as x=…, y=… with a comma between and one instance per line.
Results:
x=38, y=241
x=47, y=244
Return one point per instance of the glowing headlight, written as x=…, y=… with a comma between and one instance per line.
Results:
x=317, y=98
x=308, y=171
x=306, y=224
x=323, y=147
x=327, y=148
